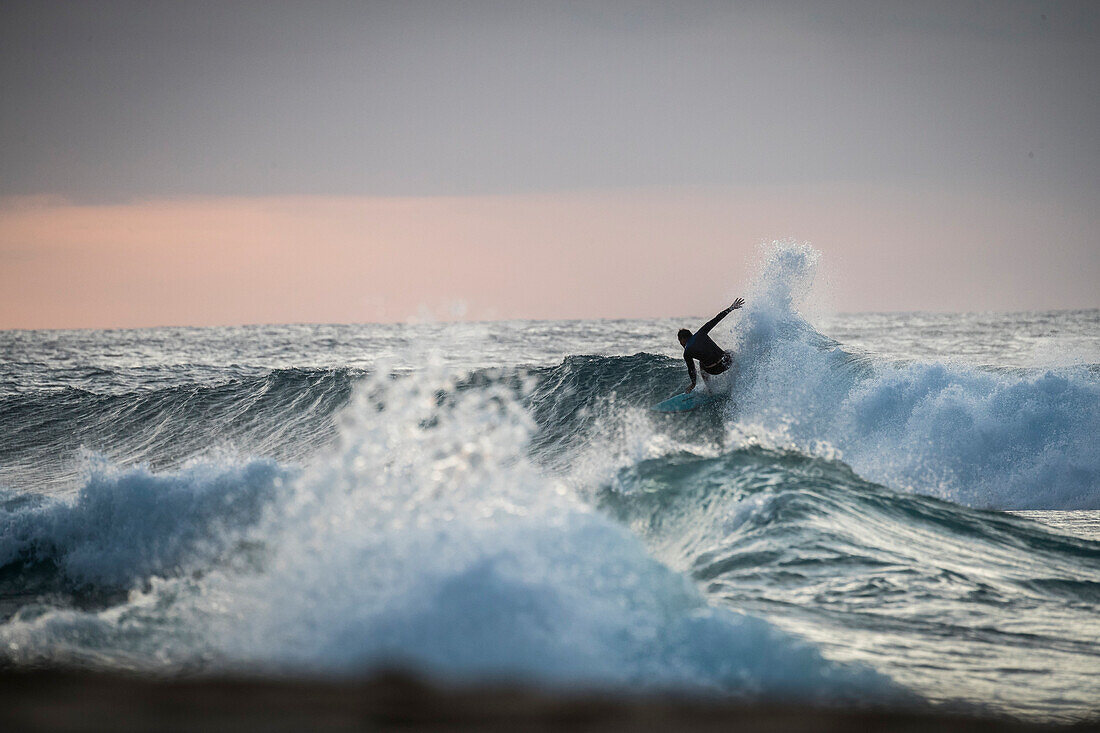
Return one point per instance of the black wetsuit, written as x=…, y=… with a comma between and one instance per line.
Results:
x=711, y=357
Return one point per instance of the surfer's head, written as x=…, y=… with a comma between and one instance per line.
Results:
x=683, y=334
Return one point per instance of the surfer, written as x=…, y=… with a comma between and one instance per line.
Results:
x=712, y=359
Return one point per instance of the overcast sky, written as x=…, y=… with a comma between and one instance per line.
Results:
x=923, y=130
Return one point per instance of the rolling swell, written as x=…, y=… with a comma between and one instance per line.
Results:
x=906, y=579
x=1020, y=439
x=284, y=414
x=1023, y=439
x=714, y=508
x=584, y=395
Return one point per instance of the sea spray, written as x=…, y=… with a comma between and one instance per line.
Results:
x=127, y=525
x=427, y=538
x=984, y=438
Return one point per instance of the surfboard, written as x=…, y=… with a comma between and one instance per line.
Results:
x=685, y=402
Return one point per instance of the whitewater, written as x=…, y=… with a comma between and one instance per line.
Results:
x=888, y=509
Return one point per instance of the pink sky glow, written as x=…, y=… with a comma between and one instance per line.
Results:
x=609, y=254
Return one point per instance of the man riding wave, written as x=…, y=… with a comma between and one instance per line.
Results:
x=712, y=359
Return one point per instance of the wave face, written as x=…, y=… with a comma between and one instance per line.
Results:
x=284, y=414
x=482, y=501
x=905, y=583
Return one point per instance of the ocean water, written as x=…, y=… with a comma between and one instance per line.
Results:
x=884, y=508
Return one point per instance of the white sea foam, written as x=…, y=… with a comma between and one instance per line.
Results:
x=1006, y=440
x=125, y=525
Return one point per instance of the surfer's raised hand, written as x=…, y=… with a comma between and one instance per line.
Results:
x=737, y=304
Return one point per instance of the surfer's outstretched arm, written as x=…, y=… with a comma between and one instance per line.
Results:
x=691, y=372
x=714, y=321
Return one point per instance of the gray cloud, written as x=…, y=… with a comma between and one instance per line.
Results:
x=117, y=100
